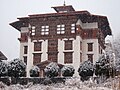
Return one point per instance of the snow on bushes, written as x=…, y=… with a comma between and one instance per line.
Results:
x=34, y=71
x=68, y=71
x=16, y=68
x=3, y=69
x=86, y=70
x=102, y=67
x=51, y=70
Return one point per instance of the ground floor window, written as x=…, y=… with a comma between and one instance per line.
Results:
x=90, y=57
x=68, y=57
x=25, y=59
x=36, y=58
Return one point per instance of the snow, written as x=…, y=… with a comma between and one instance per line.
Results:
x=34, y=71
x=68, y=70
x=70, y=84
x=52, y=70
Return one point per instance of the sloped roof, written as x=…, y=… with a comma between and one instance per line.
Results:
x=2, y=56
x=43, y=64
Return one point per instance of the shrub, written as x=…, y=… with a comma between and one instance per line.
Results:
x=86, y=70
x=102, y=66
x=51, y=70
x=34, y=71
x=3, y=69
x=68, y=71
x=16, y=68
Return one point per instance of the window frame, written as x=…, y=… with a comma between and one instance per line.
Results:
x=25, y=49
x=60, y=29
x=90, y=47
x=36, y=58
x=45, y=30
x=68, y=45
x=90, y=57
x=73, y=27
x=66, y=59
x=37, y=46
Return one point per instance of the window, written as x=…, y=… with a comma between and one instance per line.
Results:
x=90, y=46
x=61, y=29
x=37, y=46
x=25, y=49
x=33, y=30
x=90, y=57
x=72, y=28
x=25, y=59
x=68, y=57
x=81, y=45
x=80, y=57
x=68, y=45
x=44, y=30
x=36, y=58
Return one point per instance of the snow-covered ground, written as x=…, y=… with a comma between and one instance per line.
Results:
x=70, y=84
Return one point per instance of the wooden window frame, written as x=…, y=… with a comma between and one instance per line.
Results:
x=45, y=30
x=33, y=31
x=81, y=45
x=90, y=57
x=72, y=28
x=68, y=59
x=90, y=47
x=25, y=49
x=68, y=45
x=25, y=59
x=36, y=58
x=37, y=46
x=80, y=57
x=60, y=29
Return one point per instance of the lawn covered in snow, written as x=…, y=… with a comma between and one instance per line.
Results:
x=70, y=84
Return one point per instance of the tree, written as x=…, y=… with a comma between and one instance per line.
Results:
x=16, y=68
x=68, y=71
x=3, y=69
x=34, y=71
x=51, y=70
x=86, y=70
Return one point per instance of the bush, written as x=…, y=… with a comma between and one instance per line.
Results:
x=68, y=71
x=102, y=66
x=86, y=70
x=51, y=70
x=3, y=69
x=16, y=68
x=34, y=71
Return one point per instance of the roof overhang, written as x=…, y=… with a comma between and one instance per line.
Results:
x=2, y=56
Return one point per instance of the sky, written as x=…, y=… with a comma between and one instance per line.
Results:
x=10, y=10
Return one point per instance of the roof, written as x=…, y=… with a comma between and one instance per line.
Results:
x=84, y=16
x=43, y=64
x=2, y=56
x=63, y=8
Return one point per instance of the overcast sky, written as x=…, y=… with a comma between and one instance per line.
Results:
x=10, y=10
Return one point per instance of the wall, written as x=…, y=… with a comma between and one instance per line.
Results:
x=95, y=49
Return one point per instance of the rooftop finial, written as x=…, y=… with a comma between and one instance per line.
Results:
x=64, y=3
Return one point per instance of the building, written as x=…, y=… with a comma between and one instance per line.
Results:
x=2, y=56
x=67, y=37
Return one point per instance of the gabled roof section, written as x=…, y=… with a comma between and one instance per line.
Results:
x=2, y=56
x=64, y=8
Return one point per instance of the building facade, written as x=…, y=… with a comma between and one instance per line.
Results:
x=67, y=37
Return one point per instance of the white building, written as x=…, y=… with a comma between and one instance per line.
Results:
x=67, y=37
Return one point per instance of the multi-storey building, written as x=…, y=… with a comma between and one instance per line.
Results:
x=67, y=37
